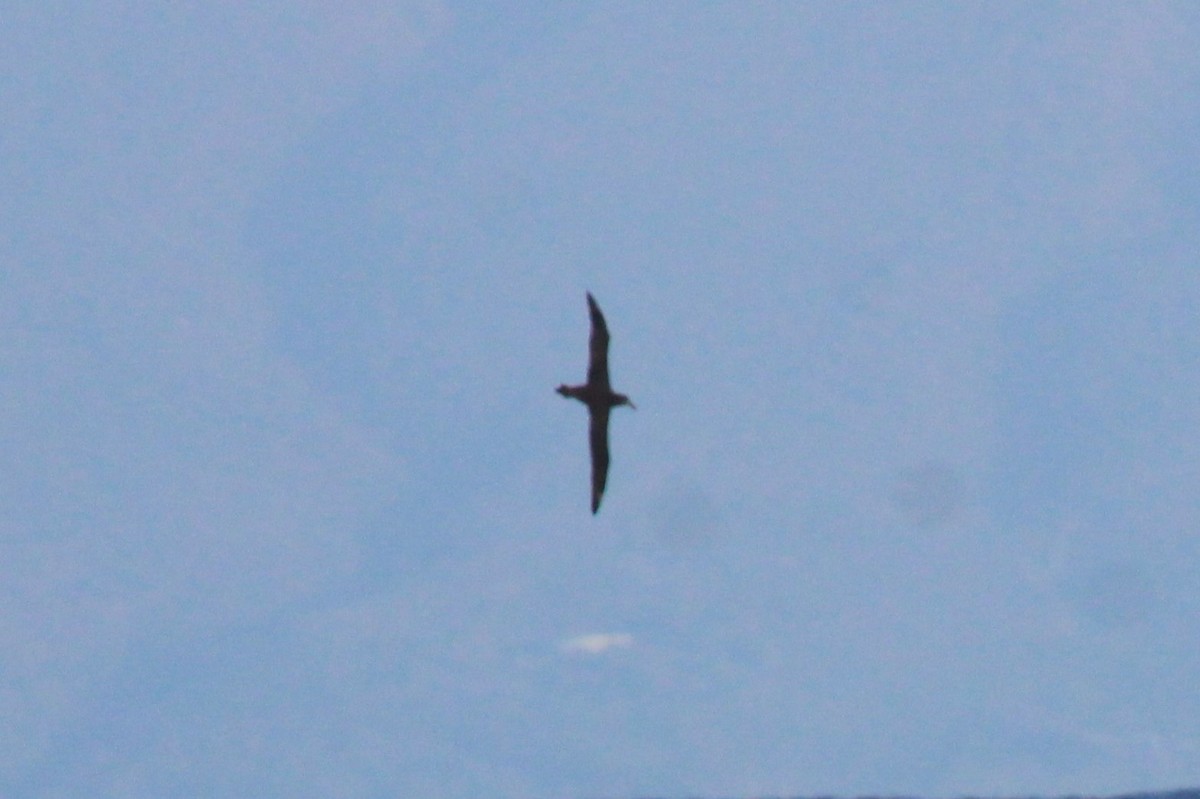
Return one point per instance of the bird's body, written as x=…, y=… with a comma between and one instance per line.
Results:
x=598, y=396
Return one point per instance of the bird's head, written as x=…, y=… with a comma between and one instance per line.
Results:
x=621, y=399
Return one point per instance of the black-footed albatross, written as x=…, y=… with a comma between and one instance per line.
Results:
x=598, y=396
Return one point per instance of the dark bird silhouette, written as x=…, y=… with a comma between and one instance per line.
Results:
x=598, y=396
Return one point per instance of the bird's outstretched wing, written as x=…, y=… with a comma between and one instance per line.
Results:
x=598, y=435
x=597, y=375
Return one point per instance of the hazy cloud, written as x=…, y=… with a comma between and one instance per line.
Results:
x=596, y=643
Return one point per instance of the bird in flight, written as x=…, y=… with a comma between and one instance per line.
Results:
x=598, y=396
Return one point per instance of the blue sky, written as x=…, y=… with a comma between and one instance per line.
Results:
x=906, y=295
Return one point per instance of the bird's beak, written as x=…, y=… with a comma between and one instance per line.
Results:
x=631, y=405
